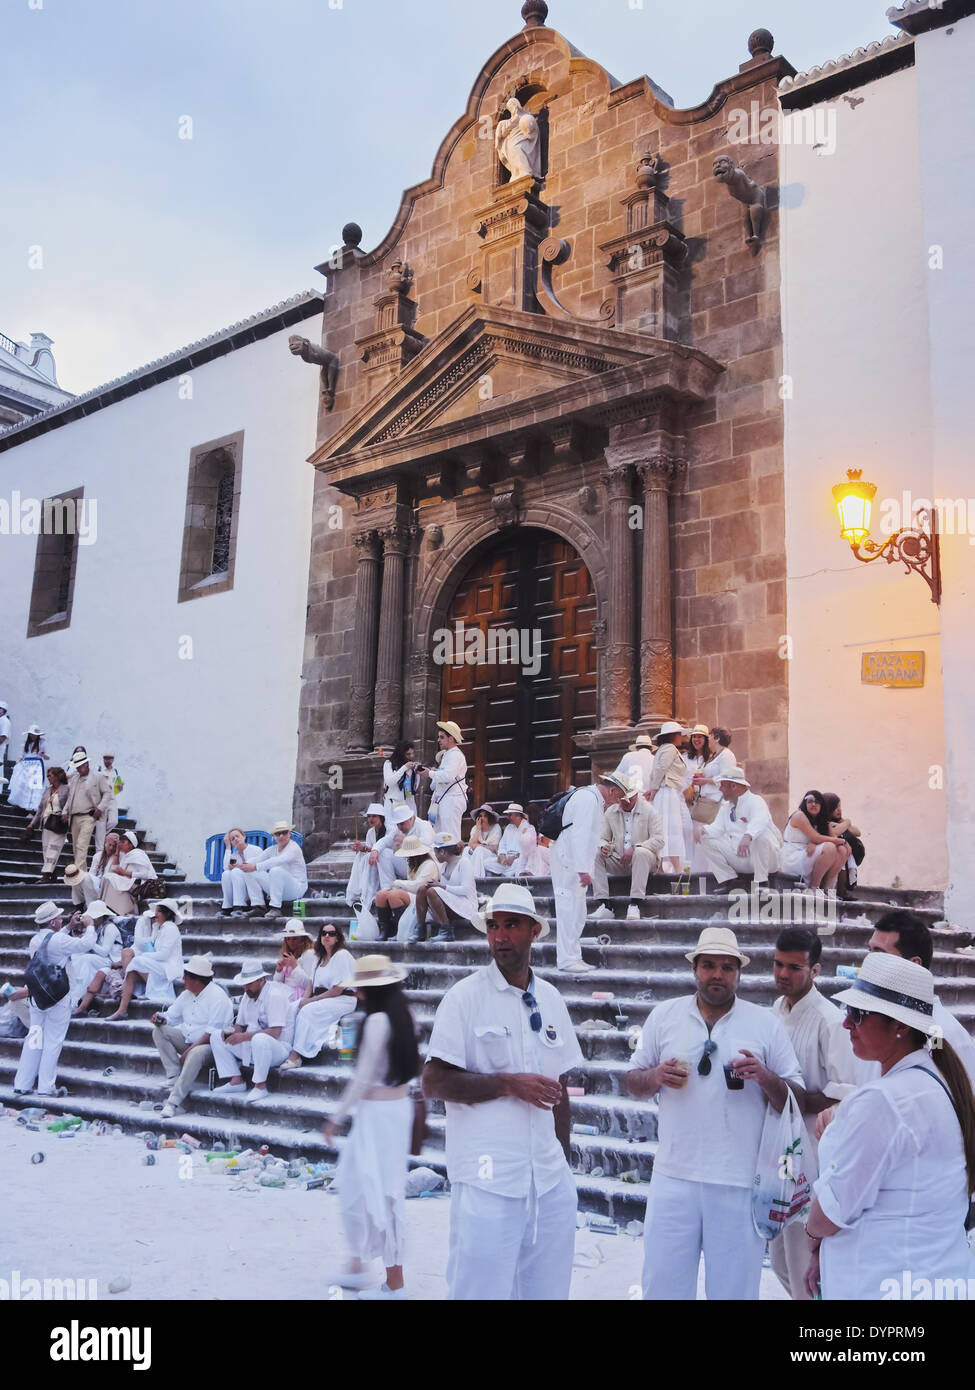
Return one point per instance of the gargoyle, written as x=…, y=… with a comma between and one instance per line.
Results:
x=328, y=361
x=746, y=191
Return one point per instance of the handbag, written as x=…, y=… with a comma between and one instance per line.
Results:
x=783, y=1189
x=47, y=982
x=57, y=824
x=705, y=812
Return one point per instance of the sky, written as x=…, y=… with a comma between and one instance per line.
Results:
x=184, y=164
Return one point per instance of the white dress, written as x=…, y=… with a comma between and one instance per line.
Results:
x=457, y=889
x=721, y=765
x=394, y=795
x=485, y=852
x=315, y=1021
x=27, y=781
x=670, y=806
x=795, y=861
x=363, y=882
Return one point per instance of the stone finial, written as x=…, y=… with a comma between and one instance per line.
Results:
x=534, y=13
x=351, y=234
x=647, y=170
x=761, y=43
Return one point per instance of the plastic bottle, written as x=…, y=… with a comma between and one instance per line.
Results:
x=585, y=1129
x=66, y=1122
x=350, y=1033
x=299, y=908
x=353, y=928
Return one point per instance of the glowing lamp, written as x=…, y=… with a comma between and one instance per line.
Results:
x=853, y=502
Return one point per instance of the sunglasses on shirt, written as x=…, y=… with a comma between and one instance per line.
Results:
x=704, y=1065
x=535, y=1018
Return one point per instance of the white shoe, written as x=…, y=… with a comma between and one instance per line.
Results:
x=633, y=913
x=602, y=914
x=578, y=967
x=383, y=1293
x=168, y=1111
x=256, y=1093
x=230, y=1088
x=362, y=1280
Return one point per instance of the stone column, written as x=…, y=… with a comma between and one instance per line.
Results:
x=656, y=636
x=389, y=673
x=620, y=650
x=366, y=627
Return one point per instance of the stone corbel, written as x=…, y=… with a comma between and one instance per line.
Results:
x=745, y=190
x=321, y=357
x=506, y=501
x=552, y=252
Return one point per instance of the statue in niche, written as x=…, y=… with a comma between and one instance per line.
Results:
x=517, y=141
x=328, y=361
x=746, y=191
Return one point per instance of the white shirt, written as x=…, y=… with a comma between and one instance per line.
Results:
x=892, y=1177
x=371, y=1065
x=452, y=770
x=719, y=766
x=108, y=943
x=250, y=854
x=511, y=841
x=483, y=1025
x=393, y=838
x=751, y=816
x=290, y=859
x=582, y=821
x=952, y=1031
x=62, y=944
x=637, y=762
x=337, y=969
x=5, y=733
x=457, y=879
x=198, y=1014
x=707, y=1133
x=166, y=943
x=822, y=1047
x=271, y=1009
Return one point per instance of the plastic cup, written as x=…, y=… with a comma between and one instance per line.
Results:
x=732, y=1079
x=685, y=1067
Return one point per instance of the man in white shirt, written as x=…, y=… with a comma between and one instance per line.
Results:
x=716, y=1063
x=822, y=1047
x=637, y=761
x=742, y=838
x=572, y=859
x=501, y=1046
x=261, y=1038
x=48, y=1025
x=631, y=839
x=448, y=780
x=392, y=865
x=279, y=871
x=181, y=1033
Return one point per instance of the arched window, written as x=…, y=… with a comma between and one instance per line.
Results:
x=210, y=528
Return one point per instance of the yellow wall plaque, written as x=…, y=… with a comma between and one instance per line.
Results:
x=899, y=670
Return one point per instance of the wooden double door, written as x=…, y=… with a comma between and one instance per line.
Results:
x=519, y=717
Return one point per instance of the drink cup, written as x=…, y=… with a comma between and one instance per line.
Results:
x=685, y=1067
x=732, y=1079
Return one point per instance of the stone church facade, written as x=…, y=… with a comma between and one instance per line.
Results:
x=551, y=404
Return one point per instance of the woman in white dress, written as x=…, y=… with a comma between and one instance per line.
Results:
x=101, y=966
x=809, y=852
x=485, y=841
x=897, y=1162
x=27, y=778
x=667, y=794
x=363, y=882
x=118, y=882
x=156, y=956
x=421, y=869
x=721, y=763
x=49, y=814
x=295, y=967
x=233, y=880
x=696, y=756
x=448, y=781
x=373, y=1162
x=534, y=860
x=400, y=777
x=325, y=1001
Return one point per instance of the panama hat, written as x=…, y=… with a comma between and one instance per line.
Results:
x=616, y=779
x=97, y=910
x=413, y=845
x=295, y=927
x=671, y=728
x=79, y=759
x=513, y=897
x=46, y=912
x=199, y=965
x=402, y=813
x=449, y=727
x=131, y=835
x=513, y=810
x=374, y=970
x=249, y=973
x=895, y=987
x=643, y=741
x=35, y=731
x=700, y=729
x=717, y=941
x=280, y=826
x=736, y=775
x=374, y=809
x=72, y=875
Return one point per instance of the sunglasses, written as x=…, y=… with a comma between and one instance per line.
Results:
x=535, y=1018
x=704, y=1065
x=279, y=833
x=329, y=933
x=856, y=1016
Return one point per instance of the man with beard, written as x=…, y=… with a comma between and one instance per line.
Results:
x=717, y=1063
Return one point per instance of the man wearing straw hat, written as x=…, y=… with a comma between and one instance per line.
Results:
x=181, y=1033
x=638, y=761
x=742, y=838
x=386, y=854
x=261, y=1036
x=501, y=1046
x=716, y=1062
x=280, y=872
x=631, y=840
x=89, y=799
x=572, y=860
x=449, y=780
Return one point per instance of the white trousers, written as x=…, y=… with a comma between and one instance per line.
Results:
x=721, y=852
x=687, y=1219
x=449, y=813
x=278, y=884
x=240, y=889
x=262, y=1053
x=504, y=1248
x=570, y=913
x=790, y=1254
x=42, y=1047
x=391, y=865
x=316, y=1020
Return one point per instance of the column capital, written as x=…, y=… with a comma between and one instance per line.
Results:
x=617, y=480
x=367, y=543
x=658, y=471
x=395, y=538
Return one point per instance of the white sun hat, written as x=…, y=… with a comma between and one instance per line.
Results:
x=374, y=809
x=513, y=810
x=249, y=973
x=199, y=965
x=374, y=970
x=403, y=813
x=717, y=941
x=895, y=987
x=294, y=926
x=736, y=774
x=513, y=897
x=671, y=728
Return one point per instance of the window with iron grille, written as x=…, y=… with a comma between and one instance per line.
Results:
x=210, y=527
x=55, y=563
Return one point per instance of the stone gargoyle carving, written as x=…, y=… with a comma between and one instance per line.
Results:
x=328, y=361
x=746, y=191
x=517, y=141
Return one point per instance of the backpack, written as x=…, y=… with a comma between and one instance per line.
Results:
x=551, y=825
x=46, y=981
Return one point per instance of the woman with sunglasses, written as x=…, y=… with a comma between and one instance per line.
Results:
x=296, y=965
x=325, y=1000
x=897, y=1164
x=809, y=852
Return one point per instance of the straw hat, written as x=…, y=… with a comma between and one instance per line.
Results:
x=616, y=779
x=671, y=728
x=449, y=727
x=895, y=987
x=403, y=813
x=643, y=741
x=374, y=809
x=717, y=941
x=72, y=875
x=737, y=775
x=46, y=912
x=374, y=970
x=294, y=926
x=249, y=973
x=513, y=897
x=280, y=826
x=413, y=845
x=513, y=810
x=700, y=729
x=79, y=759
x=199, y=965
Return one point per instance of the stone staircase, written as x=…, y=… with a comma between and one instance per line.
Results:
x=20, y=863
x=112, y=1069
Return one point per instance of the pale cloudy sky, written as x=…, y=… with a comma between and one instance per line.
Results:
x=305, y=114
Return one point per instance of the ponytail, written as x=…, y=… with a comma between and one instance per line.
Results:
x=956, y=1078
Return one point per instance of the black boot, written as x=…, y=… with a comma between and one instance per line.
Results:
x=387, y=925
x=396, y=913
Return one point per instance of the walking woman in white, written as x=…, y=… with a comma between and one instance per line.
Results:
x=105, y=954
x=809, y=854
x=485, y=841
x=454, y=898
x=449, y=781
x=155, y=958
x=50, y=817
x=279, y=871
x=401, y=775
x=118, y=883
x=27, y=778
x=363, y=882
x=49, y=1017
x=326, y=1000
x=239, y=890
x=297, y=963
x=897, y=1163
x=372, y=1166
x=666, y=792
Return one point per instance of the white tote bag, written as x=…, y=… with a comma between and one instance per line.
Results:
x=784, y=1173
x=367, y=928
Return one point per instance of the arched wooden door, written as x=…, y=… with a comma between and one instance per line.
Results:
x=518, y=725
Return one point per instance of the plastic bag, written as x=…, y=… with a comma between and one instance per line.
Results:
x=784, y=1172
x=407, y=929
x=367, y=928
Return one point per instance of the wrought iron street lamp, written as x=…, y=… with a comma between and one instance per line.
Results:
x=916, y=549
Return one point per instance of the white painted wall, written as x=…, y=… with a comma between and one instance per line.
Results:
x=946, y=112
x=210, y=741
x=855, y=303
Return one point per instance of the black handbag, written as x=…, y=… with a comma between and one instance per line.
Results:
x=57, y=825
x=47, y=982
